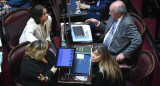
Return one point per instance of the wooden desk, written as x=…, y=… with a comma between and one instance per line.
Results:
x=62, y=72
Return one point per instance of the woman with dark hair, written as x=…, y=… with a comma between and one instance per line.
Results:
x=37, y=67
x=38, y=26
x=105, y=68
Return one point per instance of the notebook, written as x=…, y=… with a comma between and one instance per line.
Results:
x=82, y=65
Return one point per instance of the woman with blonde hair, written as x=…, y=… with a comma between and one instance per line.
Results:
x=37, y=65
x=105, y=68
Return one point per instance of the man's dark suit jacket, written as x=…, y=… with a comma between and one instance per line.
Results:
x=19, y=3
x=103, y=9
x=126, y=39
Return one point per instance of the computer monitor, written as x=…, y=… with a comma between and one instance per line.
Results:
x=65, y=57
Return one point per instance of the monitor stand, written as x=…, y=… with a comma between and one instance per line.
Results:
x=67, y=75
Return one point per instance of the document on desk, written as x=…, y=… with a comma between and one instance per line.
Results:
x=81, y=78
x=87, y=34
x=82, y=65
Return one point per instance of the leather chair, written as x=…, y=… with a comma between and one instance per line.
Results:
x=141, y=26
x=14, y=60
x=13, y=25
x=142, y=71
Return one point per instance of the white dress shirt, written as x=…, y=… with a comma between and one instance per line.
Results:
x=118, y=21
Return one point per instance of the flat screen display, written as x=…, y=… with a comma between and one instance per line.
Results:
x=65, y=57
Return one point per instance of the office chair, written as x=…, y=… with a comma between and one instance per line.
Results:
x=142, y=70
x=14, y=60
x=13, y=25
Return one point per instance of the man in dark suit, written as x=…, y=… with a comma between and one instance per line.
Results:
x=124, y=39
x=99, y=11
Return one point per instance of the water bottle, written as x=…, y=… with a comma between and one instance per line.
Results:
x=63, y=44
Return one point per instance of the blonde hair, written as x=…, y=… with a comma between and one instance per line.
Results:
x=36, y=50
x=108, y=63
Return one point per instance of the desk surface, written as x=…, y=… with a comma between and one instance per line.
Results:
x=77, y=79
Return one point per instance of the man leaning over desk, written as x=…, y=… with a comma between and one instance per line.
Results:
x=120, y=34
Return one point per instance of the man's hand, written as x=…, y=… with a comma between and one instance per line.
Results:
x=53, y=69
x=82, y=6
x=120, y=57
x=92, y=20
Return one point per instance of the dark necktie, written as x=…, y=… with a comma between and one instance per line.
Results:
x=110, y=35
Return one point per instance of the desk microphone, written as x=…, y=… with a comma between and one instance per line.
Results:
x=67, y=29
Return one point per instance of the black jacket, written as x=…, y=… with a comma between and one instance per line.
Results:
x=99, y=80
x=31, y=70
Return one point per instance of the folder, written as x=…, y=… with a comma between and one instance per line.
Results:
x=82, y=66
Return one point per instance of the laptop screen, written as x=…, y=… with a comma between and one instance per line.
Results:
x=64, y=57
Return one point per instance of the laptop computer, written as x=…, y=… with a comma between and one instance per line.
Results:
x=65, y=57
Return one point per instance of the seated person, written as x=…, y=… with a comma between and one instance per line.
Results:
x=14, y=4
x=37, y=67
x=99, y=11
x=105, y=68
x=38, y=26
x=120, y=34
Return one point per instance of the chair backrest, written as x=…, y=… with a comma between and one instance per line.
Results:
x=13, y=26
x=141, y=26
x=14, y=60
x=143, y=68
